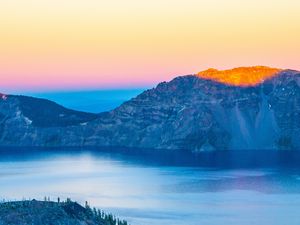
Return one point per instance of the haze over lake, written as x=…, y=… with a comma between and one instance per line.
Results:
x=90, y=101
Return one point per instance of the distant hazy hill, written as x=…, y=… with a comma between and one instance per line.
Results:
x=207, y=111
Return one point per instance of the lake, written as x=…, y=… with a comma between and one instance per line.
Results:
x=161, y=188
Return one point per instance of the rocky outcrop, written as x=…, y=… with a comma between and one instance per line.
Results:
x=53, y=213
x=189, y=112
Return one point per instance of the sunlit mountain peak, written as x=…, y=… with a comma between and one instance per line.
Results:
x=241, y=76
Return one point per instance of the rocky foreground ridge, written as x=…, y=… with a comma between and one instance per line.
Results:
x=190, y=112
x=53, y=213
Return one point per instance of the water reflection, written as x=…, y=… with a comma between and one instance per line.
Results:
x=165, y=188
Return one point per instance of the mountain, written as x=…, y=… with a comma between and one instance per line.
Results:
x=44, y=113
x=241, y=76
x=23, y=118
x=243, y=108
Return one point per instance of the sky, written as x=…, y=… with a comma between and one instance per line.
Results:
x=100, y=44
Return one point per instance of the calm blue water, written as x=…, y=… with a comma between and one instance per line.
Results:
x=90, y=101
x=145, y=191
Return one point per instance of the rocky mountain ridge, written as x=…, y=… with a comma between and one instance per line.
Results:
x=188, y=112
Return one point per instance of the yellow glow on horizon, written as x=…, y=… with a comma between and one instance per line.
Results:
x=44, y=42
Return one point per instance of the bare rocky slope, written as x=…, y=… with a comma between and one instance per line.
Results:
x=188, y=112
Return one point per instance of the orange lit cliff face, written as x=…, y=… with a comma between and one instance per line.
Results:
x=241, y=76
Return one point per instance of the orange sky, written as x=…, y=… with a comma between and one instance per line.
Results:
x=55, y=44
